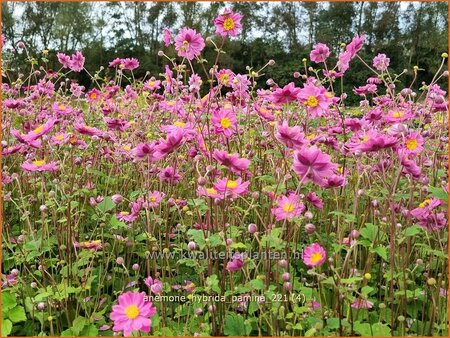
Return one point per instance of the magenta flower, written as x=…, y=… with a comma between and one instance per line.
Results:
x=143, y=150
x=152, y=84
x=224, y=122
x=291, y=137
x=316, y=99
x=413, y=143
x=374, y=141
x=236, y=263
x=314, y=255
x=286, y=94
x=132, y=313
x=40, y=130
x=154, y=199
x=170, y=144
x=167, y=37
x=232, y=161
x=428, y=216
x=312, y=164
x=155, y=285
x=76, y=63
x=320, y=53
x=225, y=77
x=381, y=62
x=170, y=175
x=288, y=207
x=315, y=200
x=231, y=188
x=356, y=45
x=130, y=63
x=86, y=130
x=40, y=165
x=228, y=23
x=63, y=59
x=61, y=109
x=189, y=44
x=360, y=303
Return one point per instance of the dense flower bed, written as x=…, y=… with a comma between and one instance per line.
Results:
x=193, y=203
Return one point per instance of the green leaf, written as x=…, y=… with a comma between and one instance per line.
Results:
x=6, y=327
x=8, y=301
x=381, y=251
x=332, y=323
x=412, y=230
x=78, y=324
x=363, y=329
x=234, y=325
x=67, y=333
x=381, y=330
x=17, y=314
x=116, y=224
x=257, y=284
x=438, y=193
x=106, y=205
x=369, y=232
x=89, y=331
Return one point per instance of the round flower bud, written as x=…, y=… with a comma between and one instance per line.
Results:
x=212, y=308
x=198, y=311
x=43, y=208
x=201, y=181
x=117, y=198
x=252, y=228
x=271, y=62
x=41, y=306
x=120, y=260
x=431, y=281
x=308, y=215
x=287, y=286
x=191, y=245
x=310, y=228
x=135, y=267
x=286, y=277
x=354, y=234
x=297, y=75
x=160, y=53
x=368, y=276
x=255, y=195
x=282, y=263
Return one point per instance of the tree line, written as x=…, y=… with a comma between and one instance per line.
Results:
x=410, y=35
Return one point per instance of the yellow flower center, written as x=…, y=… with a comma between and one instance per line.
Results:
x=228, y=24
x=62, y=107
x=132, y=311
x=411, y=144
x=39, y=163
x=365, y=139
x=225, y=122
x=288, y=207
x=398, y=114
x=211, y=191
x=179, y=124
x=127, y=148
x=329, y=95
x=231, y=184
x=151, y=83
x=59, y=137
x=224, y=78
x=310, y=136
x=424, y=203
x=312, y=101
x=124, y=213
x=316, y=257
x=38, y=129
x=93, y=96
x=152, y=198
x=263, y=110
x=171, y=103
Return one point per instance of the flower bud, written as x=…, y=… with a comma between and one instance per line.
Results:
x=252, y=228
